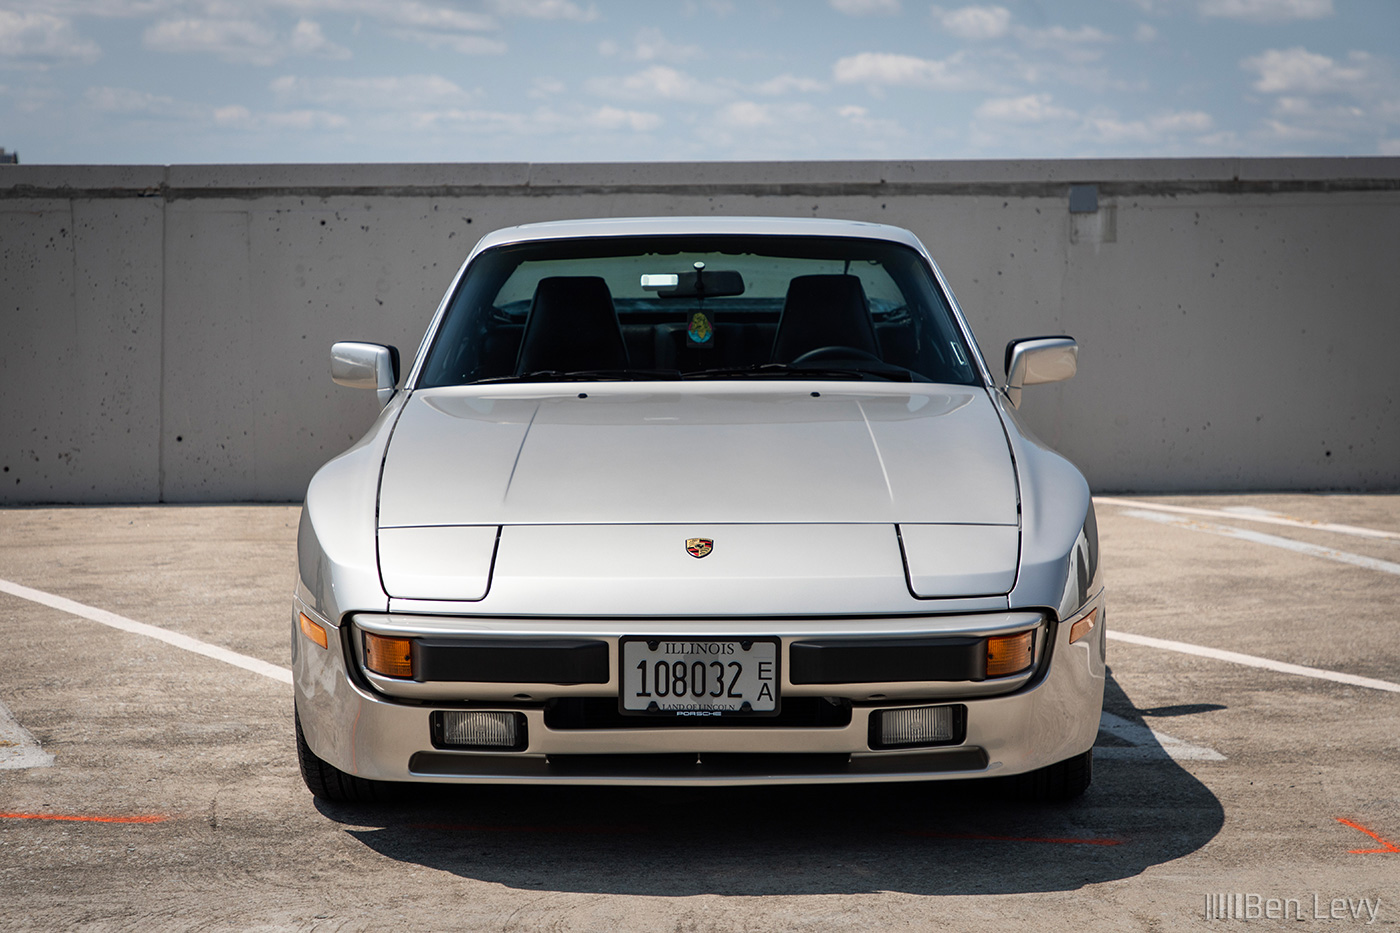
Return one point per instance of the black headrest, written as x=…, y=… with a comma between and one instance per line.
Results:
x=824, y=311
x=572, y=325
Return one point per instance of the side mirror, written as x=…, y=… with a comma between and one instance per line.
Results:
x=1038, y=360
x=366, y=366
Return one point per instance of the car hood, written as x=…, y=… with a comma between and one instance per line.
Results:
x=621, y=453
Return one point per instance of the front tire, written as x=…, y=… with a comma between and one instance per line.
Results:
x=329, y=783
x=1057, y=783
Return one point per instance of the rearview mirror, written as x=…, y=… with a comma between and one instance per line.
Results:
x=1038, y=360
x=702, y=283
x=366, y=366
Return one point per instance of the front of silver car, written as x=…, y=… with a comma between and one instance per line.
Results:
x=698, y=501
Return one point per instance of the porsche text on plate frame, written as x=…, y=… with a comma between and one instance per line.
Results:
x=590, y=541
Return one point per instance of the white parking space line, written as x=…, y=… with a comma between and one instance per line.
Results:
x=18, y=749
x=93, y=614
x=1147, y=744
x=1258, y=537
x=1250, y=660
x=1249, y=513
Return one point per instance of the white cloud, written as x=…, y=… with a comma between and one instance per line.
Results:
x=127, y=102
x=105, y=9
x=719, y=8
x=1266, y=11
x=547, y=87
x=41, y=39
x=1321, y=99
x=305, y=120
x=461, y=43
x=887, y=68
x=33, y=99
x=1036, y=121
x=545, y=9
x=1224, y=141
x=230, y=39
x=415, y=13
x=434, y=25
x=238, y=117
x=658, y=82
x=1077, y=45
x=1301, y=118
x=307, y=39
x=650, y=44
x=420, y=15
x=975, y=22
x=1156, y=130
x=864, y=7
x=1283, y=71
x=406, y=92
x=1032, y=108
x=235, y=115
x=1145, y=32
x=786, y=84
x=613, y=118
x=745, y=113
x=543, y=122
x=795, y=129
x=240, y=40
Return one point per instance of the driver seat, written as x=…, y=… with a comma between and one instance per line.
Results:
x=823, y=311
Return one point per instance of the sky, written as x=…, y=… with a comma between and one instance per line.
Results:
x=271, y=81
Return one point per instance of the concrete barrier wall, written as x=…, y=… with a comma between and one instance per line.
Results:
x=165, y=332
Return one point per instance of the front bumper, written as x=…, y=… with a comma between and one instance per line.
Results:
x=380, y=728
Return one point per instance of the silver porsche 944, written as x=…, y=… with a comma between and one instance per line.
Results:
x=698, y=501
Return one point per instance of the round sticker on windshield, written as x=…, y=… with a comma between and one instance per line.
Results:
x=700, y=330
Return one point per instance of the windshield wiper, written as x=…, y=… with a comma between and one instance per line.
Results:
x=890, y=372
x=587, y=375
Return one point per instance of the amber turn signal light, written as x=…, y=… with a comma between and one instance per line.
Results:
x=392, y=657
x=1083, y=627
x=1009, y=654
x=313, y=630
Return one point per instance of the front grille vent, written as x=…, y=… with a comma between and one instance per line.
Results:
x=571, y=713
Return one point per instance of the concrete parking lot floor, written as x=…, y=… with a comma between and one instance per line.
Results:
x=146, y=786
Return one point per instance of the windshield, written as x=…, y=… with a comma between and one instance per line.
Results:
x=698, y=307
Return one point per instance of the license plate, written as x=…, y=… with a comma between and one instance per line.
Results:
x=700, y=677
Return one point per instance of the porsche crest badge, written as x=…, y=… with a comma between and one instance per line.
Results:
x=699, y=547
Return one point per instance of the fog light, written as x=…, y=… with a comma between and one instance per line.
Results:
x=1009, y=654
x=391, y=657
x=1083, y=627
x=313, y=630
x=478, y=729
x=924, y=725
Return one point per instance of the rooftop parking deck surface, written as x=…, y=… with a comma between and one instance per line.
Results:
x=1249, y=749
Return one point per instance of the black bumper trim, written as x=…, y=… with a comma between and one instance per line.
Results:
x=702, y=766
x=887, y=660
x=511, y=660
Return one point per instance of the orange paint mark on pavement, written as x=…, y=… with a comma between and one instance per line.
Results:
x=67, y=818
x=990, y=838
x=1389, y=846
